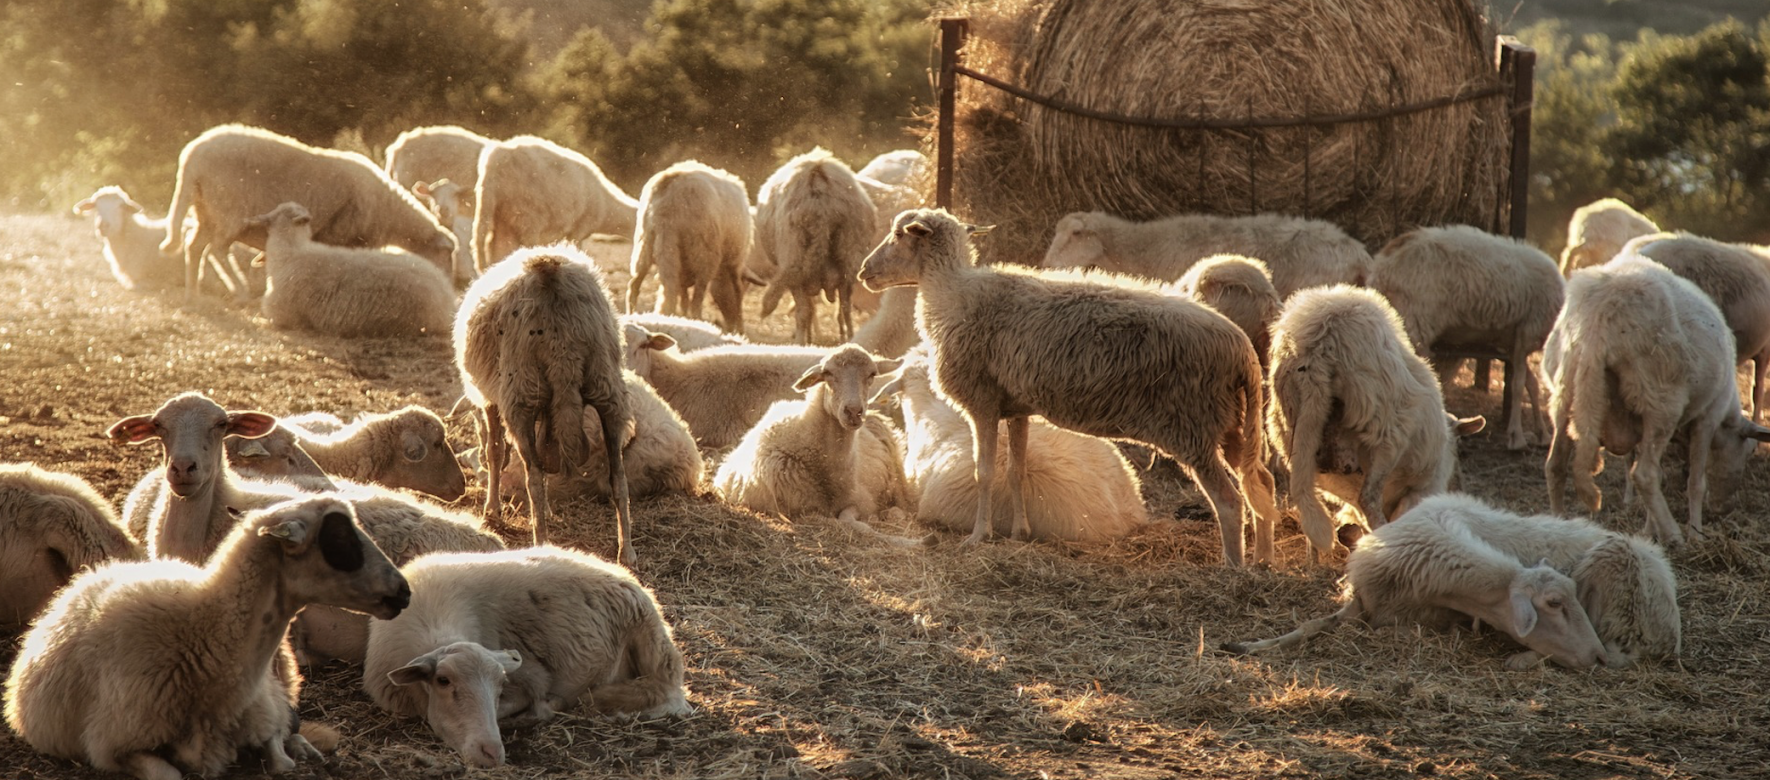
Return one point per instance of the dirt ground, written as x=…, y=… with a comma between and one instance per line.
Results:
x=816, y=653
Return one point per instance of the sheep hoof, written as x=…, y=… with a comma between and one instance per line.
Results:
x=975, y=539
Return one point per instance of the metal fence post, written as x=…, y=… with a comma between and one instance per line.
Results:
x=1518, y=68
x=952, y=37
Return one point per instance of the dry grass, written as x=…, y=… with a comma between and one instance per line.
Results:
x=815, y=653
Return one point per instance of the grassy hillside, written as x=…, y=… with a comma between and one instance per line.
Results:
x=1622, y=19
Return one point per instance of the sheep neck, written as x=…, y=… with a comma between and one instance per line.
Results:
x=1484, y=594
x=198, y=511
x=244, y=608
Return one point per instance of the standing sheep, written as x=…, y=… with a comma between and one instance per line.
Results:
x=695, y=227
x=426, y=154
x=406, y=448
x=814, y=223
x=517, y=636
x=348, y=292
x=1299, y=252
x=721, y=392
x=536, y=341
x=1598, y=232
x=1239, y=288
x=1461, y=288
x=532, y=192
x=660, y=455
x=1115, y=361
x=52, y=526
x=1737, y=278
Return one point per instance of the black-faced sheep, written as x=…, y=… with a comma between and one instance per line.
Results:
x=814, y=223
x=533, y=192
x=1299, y=252
x=695, y=228
x=720, y=391
x=1737, y=278
x=1598, y=231
x=344, y=291
x=1239, y=288
x=52, y=526
x=406, y=448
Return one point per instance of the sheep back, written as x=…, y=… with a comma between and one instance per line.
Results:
x=1598, y=231
x=52, y=526
x=1465, y=286
x=532, y=191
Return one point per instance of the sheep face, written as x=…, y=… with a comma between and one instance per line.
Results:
x=330, y=560
x=290, y=220
x=641, y=345
x=111, y=208
x=191, y=428
x=462, y=684
x=275, y=455
x=917, y=238
x=425, y=463
x=847, y=377
x=1076, y=244
x=1547, y=617
x=1729, y=451
x=443, y=197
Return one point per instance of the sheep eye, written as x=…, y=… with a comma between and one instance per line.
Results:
x=442, y=682
x=1553, y=603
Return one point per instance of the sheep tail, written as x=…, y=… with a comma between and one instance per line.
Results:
x=1591, y=404
x=655, y=687
x=183, y=198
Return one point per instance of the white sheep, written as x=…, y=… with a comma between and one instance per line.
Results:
x=695, y=228
x=181, y=509
x=1239, y=288
x=1461, y=289
x=892, y=329
x=1639, y=356
x=1598, y=231
x=814, y=223
x=275, y=456
x=406, y=448
x=688, y=334
x=532, y=192
x=1299, y=252
x=536, y=342
x=453, y=206
x=52, y=526
x=516, y=637
x=898, y=167
x=161, y=668
x=426, y=154
x=344, y=291
x=1105, y=358
x=1083, y=490
x=1737, y=278
x=721, y=392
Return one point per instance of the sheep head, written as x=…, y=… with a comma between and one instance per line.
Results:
x=462, y=683
x=846, y=376
x=329, y=559
x=920, y=240
x=191, y=427
x=1546, y=616
x=287, y=219
x=111, y=207
x=1076, y=244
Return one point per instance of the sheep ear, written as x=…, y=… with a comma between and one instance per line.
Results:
x=420, y=670
x=659, y=342
x=414, y=449
x=461, y=405
x=252, y=449
x=84, y=206
x=810, y=379
x=301, y=220
x=1468, y=426
x=1756, y=431
x=979, y=230
x=250, y=425
x=131, y=206
x=916, y=227
x=887, y=365
x=1523, y=614
x=421, y=189
x=893, y=385
x=134, y=430
x=293, y=533
x=509, y=659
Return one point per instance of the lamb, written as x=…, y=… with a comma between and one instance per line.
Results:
x=689, y=335
x=1164, y=372
x=514, y=637
x=1638, y=356
x=52, y=526
x=161, y=668
x=1239, y=288
x=897, y=168
x=532, y=192
x=1428, y=568
x=695, y=227
x=1085, y=491
x=1300, y=252
x=1459, y=288
x=131, y=240
x=536, y=341
x=660, y=455
x=452, y=205
x=406, y=448
x=892, y=330
x=1737, y=278
x=825, y=456
x=721, y=392
x=233, y=173
x=347, y=292
x=813, y=224
x=1598, y=232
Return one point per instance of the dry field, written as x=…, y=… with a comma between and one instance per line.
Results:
x=815, y=653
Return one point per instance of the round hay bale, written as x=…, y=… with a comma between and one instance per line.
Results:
x=1023, y=166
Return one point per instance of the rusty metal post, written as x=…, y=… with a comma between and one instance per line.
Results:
x=952, y=37
x=1518, y=66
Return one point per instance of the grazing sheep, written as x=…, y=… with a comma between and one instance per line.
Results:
x=825, y=456
x=536, y=341
x=1598, y=232
x=347, y=292
x=892, y=329
x=1239, y=288
x=1083, y=489
x=689, y=335
x=721, y=392
x=1638, y=356
x=695, y=227
x=814, y=223
x=660, y=455
x=277, y=455
x=52, y=526
x=1101, y=358
x=181, y=510
x=233, y=173
x=532, y=192
x=405, y=448
x=1429, y=569
x=1459, y=288
x=161, y=668
x=516, y=636
x=897, y=168
x=1737, y=278
x=1299, y=252
x=426, y=154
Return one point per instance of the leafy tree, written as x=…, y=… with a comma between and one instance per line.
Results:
x=1569, y=167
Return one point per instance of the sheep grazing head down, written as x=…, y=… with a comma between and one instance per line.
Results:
x=349, y=572
x=191, y=428
x=920, y=240
x=1076, y=243
x=847, y=376
x=462, y=683
x=1547, y=617
x=1733, y=445
x=111, y=207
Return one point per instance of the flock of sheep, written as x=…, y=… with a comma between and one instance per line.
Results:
x=1235, y=346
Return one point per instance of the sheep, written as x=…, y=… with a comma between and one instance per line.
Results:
x=1085, y=491
x=892, y=329
x=536, y=340
x=898, y=168
x=721, y=392
x=1163, y=371
x=341, y=291
x=1625, y=584
x=277, y=455
x=825, y=456
x=1427, y=568
x=426, y=154
x=181, y=511
x=1737, y=278
x=695, y=227
x=132, y=248
x=531, y=192
x=405, y=448
x=514, y=637
x=1640, y=355
x=689, y=335
x=1239, y=288
x=52, y=526
x=452, y=205
x=233, y=173
x=1299, y=252
x=1459, y=288
x=1598, y=231
x=160, y=668
x=813, y=224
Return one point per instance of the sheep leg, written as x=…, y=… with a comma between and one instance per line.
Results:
x=1539, y=417
x=804, y=313
x=1647, y=476
x=1376, y=478
x=1760, y=366
x=1483, y=375
x=636, y=281
x=728, y=297
x=1306, y=434
x=1352, y=611
x=1211, y=474
x=669, y=290
x=522, y=428
x=1017, y=430
x=145, y=766
x=845, y=317
x=1513, y=398
x=695, y=298
x=194, y=247
x=617, y=488
x=984, y=425
x=497, y=452
x=1696, y=486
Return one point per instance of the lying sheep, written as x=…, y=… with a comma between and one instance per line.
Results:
x=1083, y=489
x=162, y=668
x=131, y=240
x=1638, y=356
x=1430, y=569
x=1299, y=252
x=814, y=223
x=532, y=192
x=515, y=637
x=536, y=341
x=892, y=330
x=276, y=455
x=721, y=392
x=1598, y=231
x=1737, y=278
x=688, y=334
x=1239, y=288
x=1459, y=288
x=405, y=448
x=52, y=526
x=233, y=173
x=660, y=455
x=897, y=168
x=1105, y=359
x=695, y=227
x=181, y=510
x=347, y=292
